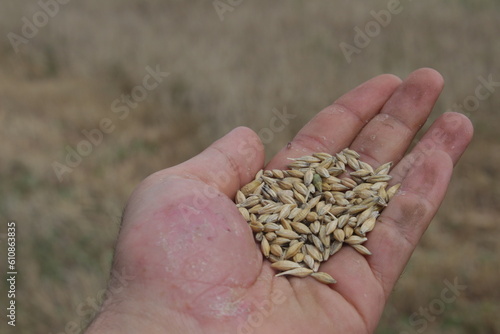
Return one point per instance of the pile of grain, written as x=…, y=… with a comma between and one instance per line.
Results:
x=304, y=215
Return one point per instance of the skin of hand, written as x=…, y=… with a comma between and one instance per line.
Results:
x=193, y=266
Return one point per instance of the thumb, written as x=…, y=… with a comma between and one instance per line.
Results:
x=227, y=164
x=176, y=232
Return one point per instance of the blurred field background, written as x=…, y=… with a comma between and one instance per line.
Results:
x=263, y=55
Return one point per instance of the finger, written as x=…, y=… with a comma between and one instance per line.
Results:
x=425, y=174
x=227, y=164
x=337, y=125
x=387, y=136
x=176, y=227
x=451, y=133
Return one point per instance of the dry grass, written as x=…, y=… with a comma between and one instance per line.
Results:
x=223, y=74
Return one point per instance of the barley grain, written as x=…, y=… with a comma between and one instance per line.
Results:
x=324, y=278
x=304, y=215
x=276, y=250
x=355, y=240
x=297, y=272
x=392, y=191
x=264, y=246
x=300, y=228
x=285, y=265
x=293, y=250
x=299, y=257
x=362, y=249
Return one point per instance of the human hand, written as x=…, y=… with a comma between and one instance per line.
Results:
x=196, y=267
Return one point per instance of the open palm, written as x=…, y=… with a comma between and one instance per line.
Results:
x=194, y=262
